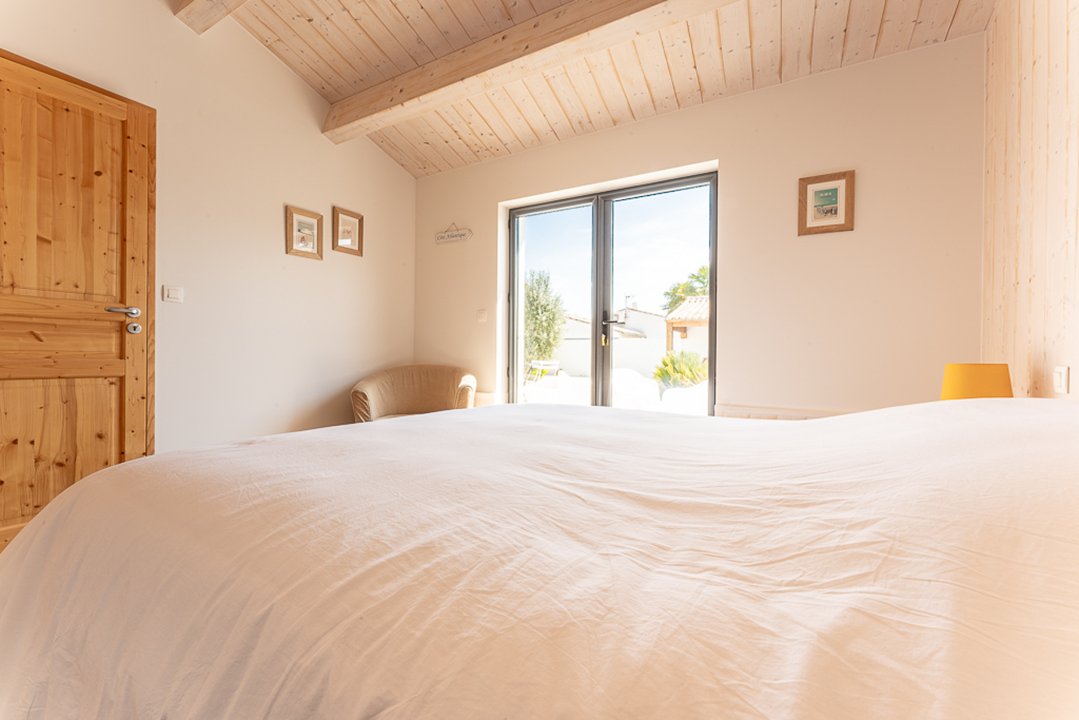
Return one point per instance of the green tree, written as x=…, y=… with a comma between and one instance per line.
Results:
x=544, y=317
x=697, y=284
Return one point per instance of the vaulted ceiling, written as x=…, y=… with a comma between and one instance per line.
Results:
x=440, y=84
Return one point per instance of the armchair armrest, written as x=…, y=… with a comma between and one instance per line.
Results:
x=466, y=392
x=361, y=395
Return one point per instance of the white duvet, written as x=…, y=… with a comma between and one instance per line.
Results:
x=512, y=562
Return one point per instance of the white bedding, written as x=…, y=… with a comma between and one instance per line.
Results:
x=919, y=562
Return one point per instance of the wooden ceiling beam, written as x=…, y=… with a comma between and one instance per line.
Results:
x=201, y=15
x=575, y=29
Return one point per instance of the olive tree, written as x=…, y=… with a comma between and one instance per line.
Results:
x=544, y=317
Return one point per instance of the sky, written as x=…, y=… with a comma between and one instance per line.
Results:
x=658, y=241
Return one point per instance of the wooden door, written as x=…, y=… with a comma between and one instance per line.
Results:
x=76, y=238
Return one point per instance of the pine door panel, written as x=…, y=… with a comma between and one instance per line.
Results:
x=55, y=432
x=76, y=238
x=63, y=170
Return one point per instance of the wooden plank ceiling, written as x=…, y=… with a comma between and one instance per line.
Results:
x=345, y=47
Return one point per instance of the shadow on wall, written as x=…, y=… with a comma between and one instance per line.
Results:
x=334, y=409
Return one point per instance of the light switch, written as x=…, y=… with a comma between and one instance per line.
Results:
x=1062, y=380
x=172, y=293
x=481, y=316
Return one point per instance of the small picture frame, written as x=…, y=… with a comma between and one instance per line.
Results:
x=826, y=203
x=347, y=231
x=303, y=233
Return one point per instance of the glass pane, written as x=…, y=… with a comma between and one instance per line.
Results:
x=660, y=262
x=554, y=324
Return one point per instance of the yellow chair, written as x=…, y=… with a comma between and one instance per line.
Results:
x=976, y=380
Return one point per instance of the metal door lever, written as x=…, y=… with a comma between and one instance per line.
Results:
x=131, y=312
x=605, y=322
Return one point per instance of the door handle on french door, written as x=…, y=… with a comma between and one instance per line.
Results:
x=131, y=312
x=606, y=322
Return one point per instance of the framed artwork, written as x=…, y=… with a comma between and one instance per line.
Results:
x=347, y=231
x=303, y=233
x=826, y=203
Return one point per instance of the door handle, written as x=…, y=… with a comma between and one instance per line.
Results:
x=131, y=312
x=605, y=322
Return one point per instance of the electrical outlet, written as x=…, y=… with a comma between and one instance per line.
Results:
x=1062, y=380
x=481, y=316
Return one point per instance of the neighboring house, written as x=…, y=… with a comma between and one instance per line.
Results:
x=638, y=344
x=574, y=353
x=687, y=326
x=641, y=342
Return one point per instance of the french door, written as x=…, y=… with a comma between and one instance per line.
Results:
x=613, y=299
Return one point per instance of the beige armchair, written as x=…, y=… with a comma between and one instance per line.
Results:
x=411, y=390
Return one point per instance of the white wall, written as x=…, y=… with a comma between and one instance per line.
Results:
x=265, y=342
x=842, y=321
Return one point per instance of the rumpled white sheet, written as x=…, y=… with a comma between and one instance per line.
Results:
x=512, y=562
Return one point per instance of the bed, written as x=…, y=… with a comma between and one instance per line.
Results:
x=556, y=562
